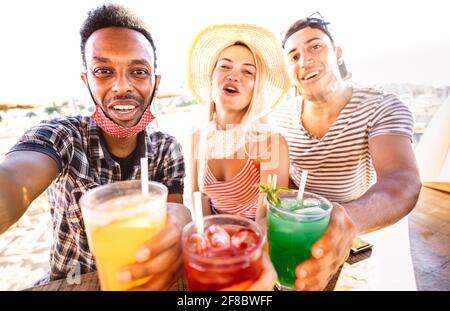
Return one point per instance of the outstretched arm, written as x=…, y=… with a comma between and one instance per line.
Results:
x=392, y=197
x=24, y=175
x=397, y=188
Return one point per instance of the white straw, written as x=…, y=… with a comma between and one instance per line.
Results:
x=274, y=181
x=144, y=176
x=269, y=179
x=301, y=189
x=198, y=212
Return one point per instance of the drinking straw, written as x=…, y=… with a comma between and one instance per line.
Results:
x=260, y=214
x=198, y=212
x=301, y=189
x=144, y=176
x=274, y=181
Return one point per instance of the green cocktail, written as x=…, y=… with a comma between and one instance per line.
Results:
x=292, y=228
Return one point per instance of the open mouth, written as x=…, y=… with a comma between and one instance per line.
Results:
x=123, y=108
x=310, y=76
x=230, y=90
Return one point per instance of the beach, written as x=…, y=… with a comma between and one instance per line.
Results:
x=25, y=248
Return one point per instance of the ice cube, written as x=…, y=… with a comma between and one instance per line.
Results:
x=219, y=252
x=291, y=204
x=311, y=211
x=244, y=239
x=308, y=202
x=198, y=243
x=217, y=237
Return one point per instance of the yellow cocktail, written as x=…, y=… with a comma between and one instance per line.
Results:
x=118, y=219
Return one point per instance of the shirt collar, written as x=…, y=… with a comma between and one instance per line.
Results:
x=98, y=149
x=95, y=150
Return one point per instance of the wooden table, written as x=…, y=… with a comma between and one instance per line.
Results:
x=390, y=266
x=391, y=256
x=429, y=228
x=89, y=281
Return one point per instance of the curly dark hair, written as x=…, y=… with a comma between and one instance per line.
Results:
x=112, y=15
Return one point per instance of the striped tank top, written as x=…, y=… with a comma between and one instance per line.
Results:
x=237, y=196
x=340, y=166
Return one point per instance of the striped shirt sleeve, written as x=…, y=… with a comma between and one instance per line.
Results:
x=392, y=116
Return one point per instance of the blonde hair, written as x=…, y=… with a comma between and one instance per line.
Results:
x=254, y=117
x=252, y=113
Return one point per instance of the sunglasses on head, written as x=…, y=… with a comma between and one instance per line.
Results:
x=314, y=20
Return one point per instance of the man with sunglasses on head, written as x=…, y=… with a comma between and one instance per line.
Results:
x=72, y=155
x=355, y=142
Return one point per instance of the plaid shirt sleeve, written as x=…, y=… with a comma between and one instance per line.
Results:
x=52, y=138
x=172, y=166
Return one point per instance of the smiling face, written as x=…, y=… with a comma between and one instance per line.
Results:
x=233, y=79
x=120, y=73
x=313, y=62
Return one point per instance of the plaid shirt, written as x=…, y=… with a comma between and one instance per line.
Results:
x=84, y=163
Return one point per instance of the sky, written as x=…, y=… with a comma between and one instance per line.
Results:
x=384, y=41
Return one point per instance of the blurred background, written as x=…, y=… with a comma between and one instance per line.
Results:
x=401, y=46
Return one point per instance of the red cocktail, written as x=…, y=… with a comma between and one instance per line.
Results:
x=228, y=256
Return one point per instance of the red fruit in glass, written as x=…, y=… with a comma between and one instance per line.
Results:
x=232, y=259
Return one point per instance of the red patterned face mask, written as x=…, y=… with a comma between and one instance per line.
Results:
x=119, y=131
x=115, y=130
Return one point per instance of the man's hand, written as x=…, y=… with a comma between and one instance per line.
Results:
x=161, y=256
x=328, y=253
x=268, y=277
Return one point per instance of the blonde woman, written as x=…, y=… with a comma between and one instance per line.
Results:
x=238, y=71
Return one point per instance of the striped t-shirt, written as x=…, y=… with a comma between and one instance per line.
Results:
x=237, y=196
x=339, y=164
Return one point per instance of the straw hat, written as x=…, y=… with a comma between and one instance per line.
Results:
x=209, y=43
